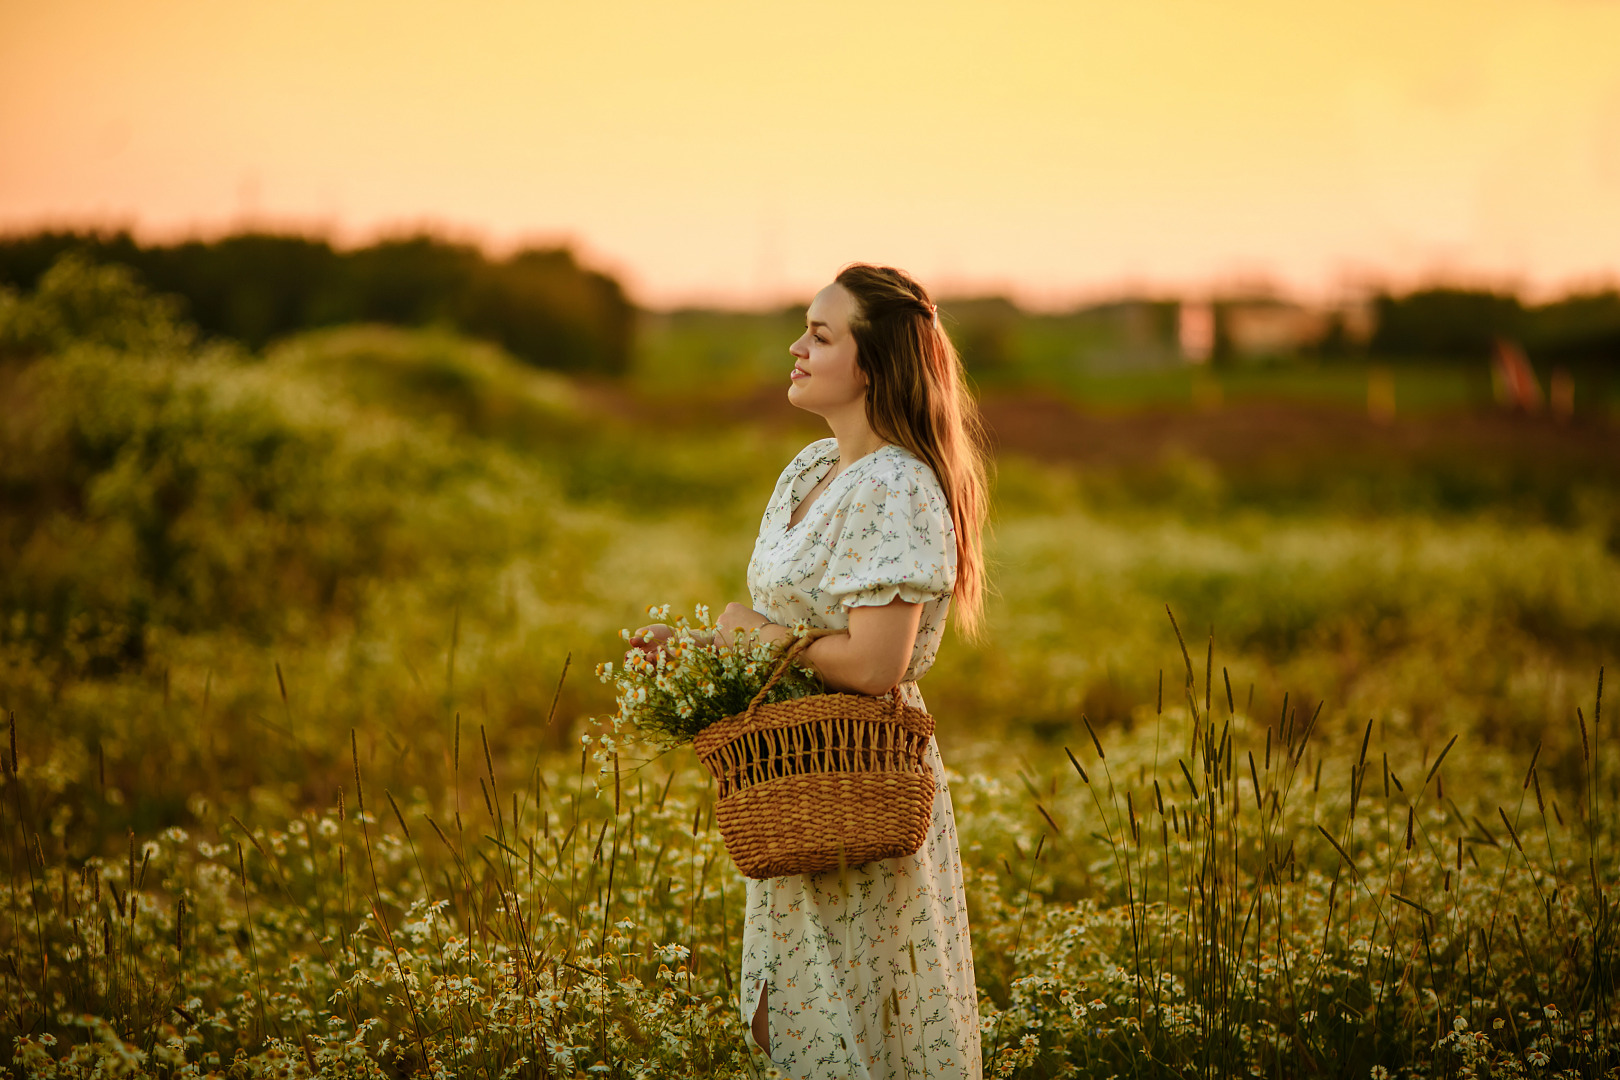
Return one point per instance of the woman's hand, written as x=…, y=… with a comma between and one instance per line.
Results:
x=651, y=639
x=740, y=617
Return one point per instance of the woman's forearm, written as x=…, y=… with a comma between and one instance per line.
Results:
x=868, y=658
x=844, y=665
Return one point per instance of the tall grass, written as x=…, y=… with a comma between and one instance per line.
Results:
x=1213, y=895
x=536, y=932
x=1271, y=908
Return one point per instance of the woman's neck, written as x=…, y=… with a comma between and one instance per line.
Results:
x=855, y=438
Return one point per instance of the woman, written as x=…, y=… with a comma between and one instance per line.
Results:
x=874, y=531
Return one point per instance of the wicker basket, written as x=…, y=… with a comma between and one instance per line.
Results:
x=819, y=782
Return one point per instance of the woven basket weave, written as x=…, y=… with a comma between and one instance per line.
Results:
x=819, y=782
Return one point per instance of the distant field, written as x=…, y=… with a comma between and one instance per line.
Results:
x=1420, y=386
x=734, y=353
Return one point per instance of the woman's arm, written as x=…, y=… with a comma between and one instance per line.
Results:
x=869, y=658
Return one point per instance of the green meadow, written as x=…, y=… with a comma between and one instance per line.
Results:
x=1283, y=752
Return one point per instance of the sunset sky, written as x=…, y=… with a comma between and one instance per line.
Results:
x=740, y=152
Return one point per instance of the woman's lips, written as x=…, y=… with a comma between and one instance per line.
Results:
x=799, y=373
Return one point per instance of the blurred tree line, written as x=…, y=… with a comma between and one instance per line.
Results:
x=539, y=304
x=1582, y=328
x=1442, y=323
x=543, y=307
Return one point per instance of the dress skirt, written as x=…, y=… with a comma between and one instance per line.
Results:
x=870, y=971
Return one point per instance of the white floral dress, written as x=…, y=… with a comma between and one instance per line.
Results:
x=870, y=976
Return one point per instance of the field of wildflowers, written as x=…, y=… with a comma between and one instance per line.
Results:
x=291, y=658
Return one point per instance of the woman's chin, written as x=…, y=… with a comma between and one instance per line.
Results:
x=796, y=398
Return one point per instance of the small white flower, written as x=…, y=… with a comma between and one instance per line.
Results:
x=673, y=953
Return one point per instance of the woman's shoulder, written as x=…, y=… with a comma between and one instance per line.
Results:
x=901, y=471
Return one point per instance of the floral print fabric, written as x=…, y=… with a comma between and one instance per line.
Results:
x=869, y=972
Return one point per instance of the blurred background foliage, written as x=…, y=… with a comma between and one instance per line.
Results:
x=219, y=560
x=546, y=309
x=539, y=304
x=236, y=578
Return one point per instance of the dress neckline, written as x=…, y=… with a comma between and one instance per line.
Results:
x=830, y=457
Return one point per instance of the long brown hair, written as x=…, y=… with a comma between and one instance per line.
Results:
x=918, y=398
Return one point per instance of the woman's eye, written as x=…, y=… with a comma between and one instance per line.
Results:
x=820, y=339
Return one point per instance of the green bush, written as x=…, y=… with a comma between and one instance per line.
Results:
x=79, y=303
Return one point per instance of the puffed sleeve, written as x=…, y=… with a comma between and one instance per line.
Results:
x=897, y=540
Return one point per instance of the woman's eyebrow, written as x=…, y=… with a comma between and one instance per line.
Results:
x=816, y=322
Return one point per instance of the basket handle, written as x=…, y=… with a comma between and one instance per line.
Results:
x=895, y=701
x=800, y=643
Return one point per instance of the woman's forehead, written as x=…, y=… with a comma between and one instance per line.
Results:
x=831, y=306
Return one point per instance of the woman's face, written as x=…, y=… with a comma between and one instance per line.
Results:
x=826, y=379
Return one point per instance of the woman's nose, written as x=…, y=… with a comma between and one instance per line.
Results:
x=799, y=349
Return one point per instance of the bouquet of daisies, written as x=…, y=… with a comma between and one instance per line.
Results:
x=667, y=697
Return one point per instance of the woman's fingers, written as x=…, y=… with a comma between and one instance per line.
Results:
x=650, y=639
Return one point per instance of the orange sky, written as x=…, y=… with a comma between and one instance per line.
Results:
x=740, y=151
